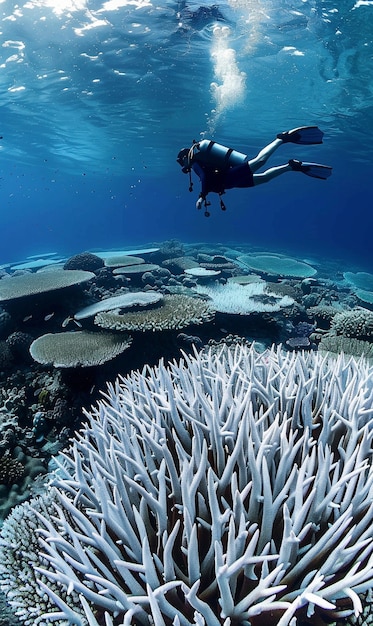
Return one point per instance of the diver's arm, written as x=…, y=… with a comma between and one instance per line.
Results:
x=196, y=167
x=201, y=173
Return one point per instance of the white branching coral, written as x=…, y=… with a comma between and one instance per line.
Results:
x=20, y=558
x=234, y=298
x=228, y=489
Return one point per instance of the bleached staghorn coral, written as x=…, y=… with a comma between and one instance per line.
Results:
x=26, y=587
x=222, y=490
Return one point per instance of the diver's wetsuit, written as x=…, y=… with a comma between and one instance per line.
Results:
x=213, y=180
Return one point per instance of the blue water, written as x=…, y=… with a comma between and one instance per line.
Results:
x=97, y=98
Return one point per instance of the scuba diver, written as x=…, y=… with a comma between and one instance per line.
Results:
x=220, y=168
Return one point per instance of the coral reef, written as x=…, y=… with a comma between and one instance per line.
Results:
x=239, y=299
x=122, y=260
x=171, y=248
x=287, y=288
x=78, y=348
x=202, y=272
x=36, y=264
x=20, y=529
x=6, y=356
x=277, y=265
x=229, y=341
x=173, y=313
x=177, y=265
x=19, y=345
x=5, y=323
x=359, y=280
x=218, y=262
x=365, y=618
x=187, y=342
x=134, y=270
x=365, y=297
x=298, y=343
x=159, y=278
x=347, y=345
x=233, y=488
x=12, y=406
x=15, y=287
x=7, y=617
x=357, y=323
x=84, y=261
x=105, y=284
x=130, y=299
x=11, y=470
x=18, y=474
x=300, y=336
x=322, y=314
x=38, y=412
x=246, y=279
x=40, y=406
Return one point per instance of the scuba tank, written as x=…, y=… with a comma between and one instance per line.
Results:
x=213, y=154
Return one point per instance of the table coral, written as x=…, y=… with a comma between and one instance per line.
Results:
x=173, y=313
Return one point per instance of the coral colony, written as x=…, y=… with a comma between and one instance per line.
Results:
x=232, y=488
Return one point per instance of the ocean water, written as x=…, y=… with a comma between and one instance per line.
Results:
x=97, y=98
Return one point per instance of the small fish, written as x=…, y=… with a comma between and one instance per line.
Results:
x=27, y=318
x=69, y=319
x=48, y=317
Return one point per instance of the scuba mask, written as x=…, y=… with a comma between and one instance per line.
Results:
x=183, y=160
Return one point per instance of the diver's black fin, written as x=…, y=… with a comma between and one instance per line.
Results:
x=315, y=170
x=305, y=135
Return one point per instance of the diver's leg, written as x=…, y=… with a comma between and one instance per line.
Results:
x=273, y=172
x=264, y=155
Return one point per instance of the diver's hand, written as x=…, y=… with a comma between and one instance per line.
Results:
x=202, y=201
x=199, y=203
